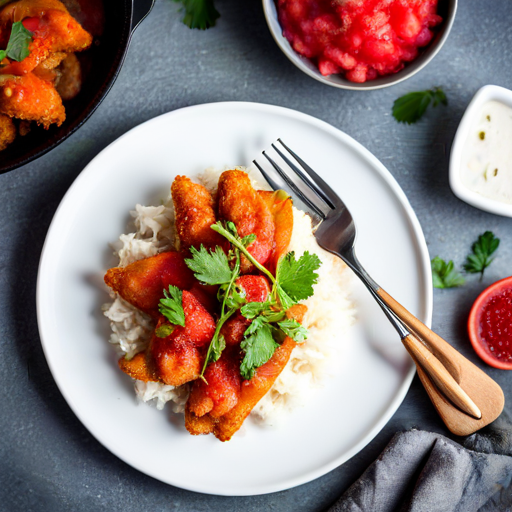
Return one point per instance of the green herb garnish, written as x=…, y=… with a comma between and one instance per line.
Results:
x=164, y=330
x=483, y=249
x=444, y=275
x=172, y=306
x=19, y=41
x=293, y=282
x=411, y=107
x=199, y=14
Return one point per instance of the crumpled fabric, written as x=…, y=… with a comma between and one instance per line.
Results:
x=424, y=472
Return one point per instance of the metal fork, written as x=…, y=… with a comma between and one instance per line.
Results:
x=443, y=371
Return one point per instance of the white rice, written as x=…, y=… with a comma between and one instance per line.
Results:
x=330, y=310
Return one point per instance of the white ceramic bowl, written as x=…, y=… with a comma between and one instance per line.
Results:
x=446, y=8
x=485, y=94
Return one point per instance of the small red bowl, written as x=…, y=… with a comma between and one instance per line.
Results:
x=480, y=346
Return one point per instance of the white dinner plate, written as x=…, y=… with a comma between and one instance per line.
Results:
x=343, y=416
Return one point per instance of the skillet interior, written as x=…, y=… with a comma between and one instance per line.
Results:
x=105, y=58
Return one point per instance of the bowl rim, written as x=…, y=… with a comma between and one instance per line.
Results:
x=307, y=67
x=483, y=95
x=473, y=317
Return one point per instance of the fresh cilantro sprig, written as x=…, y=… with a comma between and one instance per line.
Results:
x=199, y=14
x=293, y=282
x=18, y=44
x=444, y=275
x=171, y=306
x=484, y=247
x=411, y=107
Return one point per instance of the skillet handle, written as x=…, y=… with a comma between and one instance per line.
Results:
x=140, y=9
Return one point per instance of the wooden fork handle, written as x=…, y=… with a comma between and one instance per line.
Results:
x=440, y=376
x=439, y=347
x=485, y=393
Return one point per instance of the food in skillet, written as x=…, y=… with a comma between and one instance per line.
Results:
x=214, y=323
x=38, y=65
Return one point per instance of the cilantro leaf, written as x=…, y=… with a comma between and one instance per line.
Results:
x=215, y=349
x=256, y=324
x=294, y=330
x=210, y=267
x=258, y=348
x=286, y=301
x=253, y=309
x=172, y=306
x=444, y=275
x=199, y=14
x=235, y=300
x=296, y=277
x=483, y=248
x=411, y=107
x=19, y=41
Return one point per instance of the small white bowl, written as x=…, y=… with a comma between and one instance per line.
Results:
x=485, y=94
x=446, y=8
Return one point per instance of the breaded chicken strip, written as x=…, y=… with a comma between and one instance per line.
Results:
x=143, y=282
x=253, y=390
x=139, y=368
x=32, y=99
x=219, y=394
x=239, y=203
x=7, y=131
x=196, y=425
x=281, y=208
x=194, y=213
x=53, y=28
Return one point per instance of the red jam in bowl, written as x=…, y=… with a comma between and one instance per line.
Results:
x=495, y=325
x=363, y=39
x=490, y=324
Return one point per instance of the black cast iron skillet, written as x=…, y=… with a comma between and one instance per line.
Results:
x=106, y=57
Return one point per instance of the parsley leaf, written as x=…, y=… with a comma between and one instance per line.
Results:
x=411, y=107
x=210, y=267
x=444, y=275
x=172, y=306
x=258, y=348
x=199, y=14
x=483, y=248
x=17, y=47
x=294, y=330
x=216, y=348
x=296, y=277
x=253, y=309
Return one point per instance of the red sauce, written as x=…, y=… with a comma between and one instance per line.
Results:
x=495, y=325
x=360, y=38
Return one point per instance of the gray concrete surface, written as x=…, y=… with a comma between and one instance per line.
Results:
x=48, y=460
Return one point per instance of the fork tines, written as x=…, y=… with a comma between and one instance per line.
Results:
x=299, y=179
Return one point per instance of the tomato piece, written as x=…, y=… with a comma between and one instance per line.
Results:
x=31, y=24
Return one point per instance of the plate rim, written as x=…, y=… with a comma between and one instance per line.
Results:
x=425, y=275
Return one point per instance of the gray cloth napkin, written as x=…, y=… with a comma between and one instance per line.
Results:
x=425, y=472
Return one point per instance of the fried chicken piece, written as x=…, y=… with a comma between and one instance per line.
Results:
x=196, y=425
x=239, y=203
x=69, y=82
x=256, y=289
x=139, y=368
x=142, y=283
x=219, y=394
x=178, y=358
x=32, y=99
x=53, y=28
x=193, y=206
x=281, y=207
x=7, y=131
x=253, y=390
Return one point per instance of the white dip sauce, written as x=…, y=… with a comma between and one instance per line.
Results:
x=487, y=153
